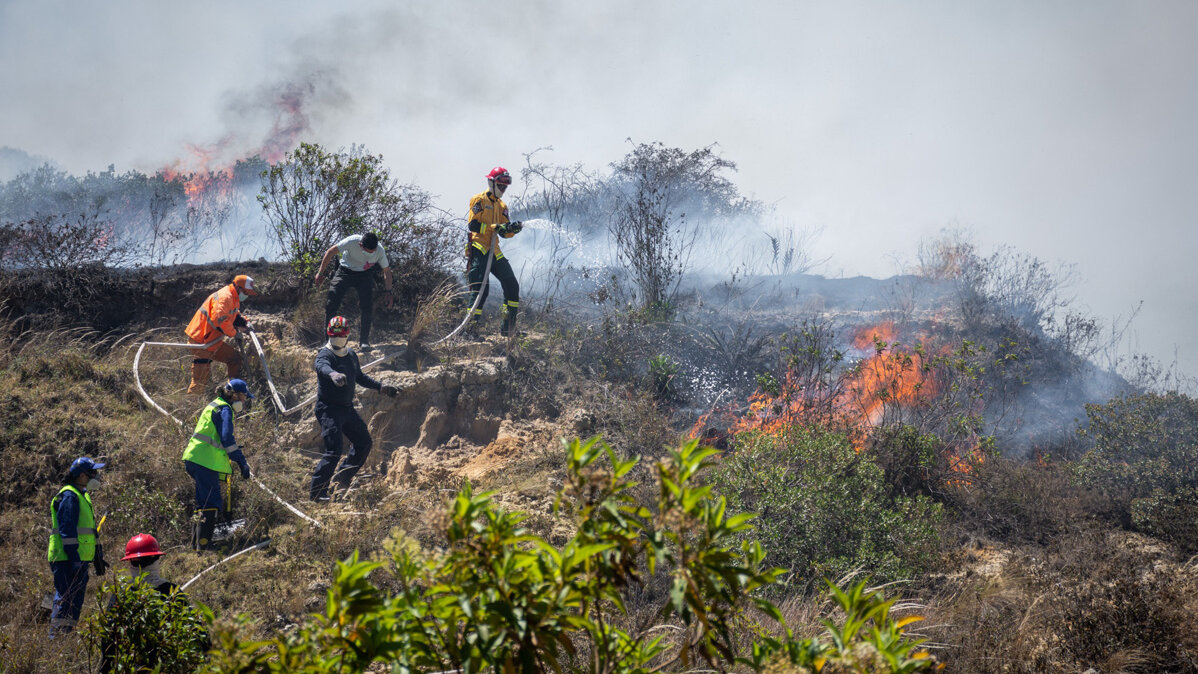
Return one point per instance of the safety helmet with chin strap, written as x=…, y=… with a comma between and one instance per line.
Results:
x=498, y=180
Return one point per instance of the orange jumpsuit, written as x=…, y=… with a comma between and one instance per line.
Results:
x=213, y=321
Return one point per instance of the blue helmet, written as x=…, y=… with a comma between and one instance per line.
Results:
x=239, y=386
x=84, y=465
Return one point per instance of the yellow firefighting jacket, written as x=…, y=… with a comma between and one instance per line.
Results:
x=489, y=211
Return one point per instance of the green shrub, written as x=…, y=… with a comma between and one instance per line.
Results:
x=825, y=509
x=1144, y=444
x=496, y=597
x=142, y=630
x=662, y=371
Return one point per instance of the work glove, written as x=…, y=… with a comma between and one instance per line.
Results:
x=228, y=340
x=338, y=378
x=245, y=471
x=98, y=562
x=515, y=227
x=389, y=391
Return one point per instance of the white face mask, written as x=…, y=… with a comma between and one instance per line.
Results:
x=241, y=296
x=238, y=405
x=93, y=484
x=339, y=345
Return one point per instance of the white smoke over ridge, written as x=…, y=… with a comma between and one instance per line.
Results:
x=1063, y=129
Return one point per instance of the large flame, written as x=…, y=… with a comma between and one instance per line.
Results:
x=889, y=380
x=888, y=376
x=200, y=175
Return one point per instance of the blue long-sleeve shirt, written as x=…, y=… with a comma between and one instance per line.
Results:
x=331, y=394
x=222, y=417
x=66, y=509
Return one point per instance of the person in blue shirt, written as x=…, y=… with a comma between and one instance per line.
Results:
x=338, y=373
x=73, y=543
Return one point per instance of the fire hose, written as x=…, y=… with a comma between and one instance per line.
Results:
x=478, y=298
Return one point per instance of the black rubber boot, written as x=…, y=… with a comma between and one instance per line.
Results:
x=201, y=533
x=508, y=329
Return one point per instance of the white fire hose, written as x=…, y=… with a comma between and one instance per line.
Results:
x=478, y=298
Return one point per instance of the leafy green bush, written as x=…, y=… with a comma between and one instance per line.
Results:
x=825, y=509
x=498, y=598
x=314, y=197
x=143, y=630
x=1145, y=445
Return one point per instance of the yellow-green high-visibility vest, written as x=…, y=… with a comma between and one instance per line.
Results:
x=85, y=529
x=204, y=448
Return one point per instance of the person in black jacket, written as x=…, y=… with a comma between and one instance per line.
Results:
x=338, y=372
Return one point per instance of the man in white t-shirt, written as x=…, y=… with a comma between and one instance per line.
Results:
x=360, y=253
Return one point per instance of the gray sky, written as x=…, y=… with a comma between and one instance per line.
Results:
x=1065, y=129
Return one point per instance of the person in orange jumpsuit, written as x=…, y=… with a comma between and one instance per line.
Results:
x=216, y=324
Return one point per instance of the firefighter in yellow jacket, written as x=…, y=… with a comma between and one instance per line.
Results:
x=216, y=324
x=488, y=216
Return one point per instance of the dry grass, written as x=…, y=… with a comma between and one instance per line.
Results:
x=65, y=398
x=437, y=313
x=1041, y=579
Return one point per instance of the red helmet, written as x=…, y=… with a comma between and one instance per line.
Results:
x=338, y=327
x=141, y=545
x=500, y=175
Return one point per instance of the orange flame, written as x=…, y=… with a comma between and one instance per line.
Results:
x=198, y=176
x=890, y=375
x=209, y=170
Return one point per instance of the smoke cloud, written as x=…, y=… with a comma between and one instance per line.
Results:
x=1064, y=130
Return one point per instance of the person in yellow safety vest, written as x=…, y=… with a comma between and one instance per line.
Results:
x=73, y=543
x=486, y=217
x=216, y=323
x=209, y=458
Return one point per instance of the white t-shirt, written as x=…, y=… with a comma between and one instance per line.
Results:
x=354, y=258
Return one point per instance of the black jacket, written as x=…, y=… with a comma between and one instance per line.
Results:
x=331, y=394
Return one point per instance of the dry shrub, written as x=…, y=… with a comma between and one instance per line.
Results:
x=1108, y=600
x=1023, y=502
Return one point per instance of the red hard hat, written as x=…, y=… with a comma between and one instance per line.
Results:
x=338, y=327
x=500, y=175
x=141, y=545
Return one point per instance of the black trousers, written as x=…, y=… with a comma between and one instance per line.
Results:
x=334, y=422
x=500, y=269
x=342, y=281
